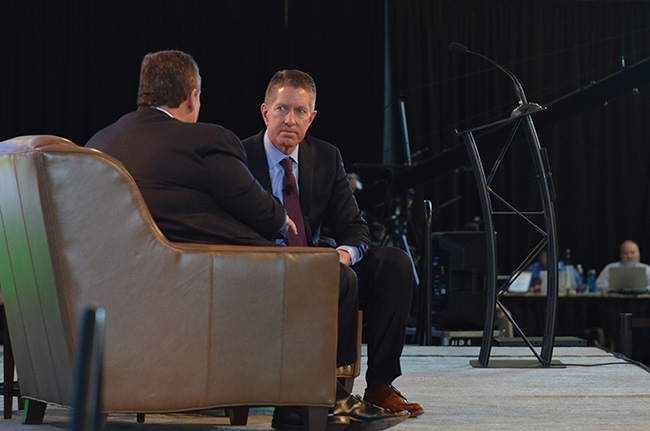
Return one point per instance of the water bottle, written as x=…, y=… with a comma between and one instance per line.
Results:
x=581, y=273
x=567, y=284
x=591, y=280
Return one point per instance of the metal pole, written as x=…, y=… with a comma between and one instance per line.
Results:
x=543, y=173
x=428, y=272
x=490, y=238
x=625, y=334
x=405, y=133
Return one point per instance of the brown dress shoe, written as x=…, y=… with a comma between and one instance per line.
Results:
x=390, y=398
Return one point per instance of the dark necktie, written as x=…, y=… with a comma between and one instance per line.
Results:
x=292, y=205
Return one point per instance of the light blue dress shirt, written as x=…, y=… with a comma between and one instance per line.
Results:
x=273, y=159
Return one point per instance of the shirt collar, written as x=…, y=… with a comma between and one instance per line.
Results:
x=275, y=156
x=163, y=110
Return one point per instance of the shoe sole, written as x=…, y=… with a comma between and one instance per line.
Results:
x=330, y=426
x=377, y=425
x=285, y=427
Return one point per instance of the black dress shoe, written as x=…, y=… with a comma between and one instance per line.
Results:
x=290, y=419
x=365, y=416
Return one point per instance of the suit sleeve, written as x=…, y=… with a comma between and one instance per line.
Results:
x=345, y=219
x=233, y=186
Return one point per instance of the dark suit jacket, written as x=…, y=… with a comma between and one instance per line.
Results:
x=325, y=192
x=193, y=178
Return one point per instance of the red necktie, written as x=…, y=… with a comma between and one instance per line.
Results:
x=292, y=205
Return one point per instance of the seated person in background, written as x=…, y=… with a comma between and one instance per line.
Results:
x=542, y=265
x=630, y=256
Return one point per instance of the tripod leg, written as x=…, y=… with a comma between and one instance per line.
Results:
x=404, y=245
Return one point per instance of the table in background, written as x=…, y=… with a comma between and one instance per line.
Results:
x=593, y=317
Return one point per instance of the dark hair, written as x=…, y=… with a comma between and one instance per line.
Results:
x=166, y=78
x=294, y=78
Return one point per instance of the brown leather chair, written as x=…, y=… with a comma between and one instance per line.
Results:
x=188, y=326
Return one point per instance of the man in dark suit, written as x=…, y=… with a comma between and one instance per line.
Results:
x=385, y=277
x=194, y=180
x=193, y=176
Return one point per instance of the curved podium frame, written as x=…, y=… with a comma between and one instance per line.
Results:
x=547, y=231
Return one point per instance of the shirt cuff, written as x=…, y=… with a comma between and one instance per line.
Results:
x=354, y=252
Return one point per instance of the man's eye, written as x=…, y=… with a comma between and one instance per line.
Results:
x=281, y=108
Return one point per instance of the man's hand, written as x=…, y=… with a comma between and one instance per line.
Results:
x=291, y=225
x=344, y=257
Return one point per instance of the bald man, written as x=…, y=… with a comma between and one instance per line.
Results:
x=630, y=257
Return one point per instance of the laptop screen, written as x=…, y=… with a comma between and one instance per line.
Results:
x=626, y=278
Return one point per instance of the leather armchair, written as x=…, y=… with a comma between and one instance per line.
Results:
x=188, y=326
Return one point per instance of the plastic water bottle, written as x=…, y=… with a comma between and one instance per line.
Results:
x=591, y=280
x=581, y=273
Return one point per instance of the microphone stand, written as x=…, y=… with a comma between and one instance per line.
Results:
x=405, y=133
x=424, y=326
x=521, y=115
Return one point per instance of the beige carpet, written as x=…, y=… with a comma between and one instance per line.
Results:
x=596, y=391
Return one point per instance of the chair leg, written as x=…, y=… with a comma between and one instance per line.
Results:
x=101, y=421
x=314, y=418
x=237, y=415
x=8, y=384
x=9, y=388
x=139, y=418
x=34, y=412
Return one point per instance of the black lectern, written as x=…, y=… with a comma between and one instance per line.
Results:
x=522, y=116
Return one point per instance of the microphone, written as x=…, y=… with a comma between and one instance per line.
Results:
x=457, y=48
x=524, y=107
x=288, y=189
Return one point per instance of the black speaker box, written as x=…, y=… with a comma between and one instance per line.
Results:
x=459, y=268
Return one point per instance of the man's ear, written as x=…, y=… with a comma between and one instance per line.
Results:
x=311, y=117
x=192, y=101
x=265, y=113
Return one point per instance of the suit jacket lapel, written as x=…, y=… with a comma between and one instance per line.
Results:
x=306, y=176
x=258, y=164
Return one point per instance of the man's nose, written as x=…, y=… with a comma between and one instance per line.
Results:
x=290, y=118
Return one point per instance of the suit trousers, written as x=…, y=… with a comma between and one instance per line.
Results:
x=382, y=283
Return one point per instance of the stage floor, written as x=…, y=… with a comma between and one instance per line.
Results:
x=595, y=391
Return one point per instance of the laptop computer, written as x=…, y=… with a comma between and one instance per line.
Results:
x=522, y=283
x=627, y=279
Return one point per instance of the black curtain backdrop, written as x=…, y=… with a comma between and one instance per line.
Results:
x=70, y=68
x=599, y=157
